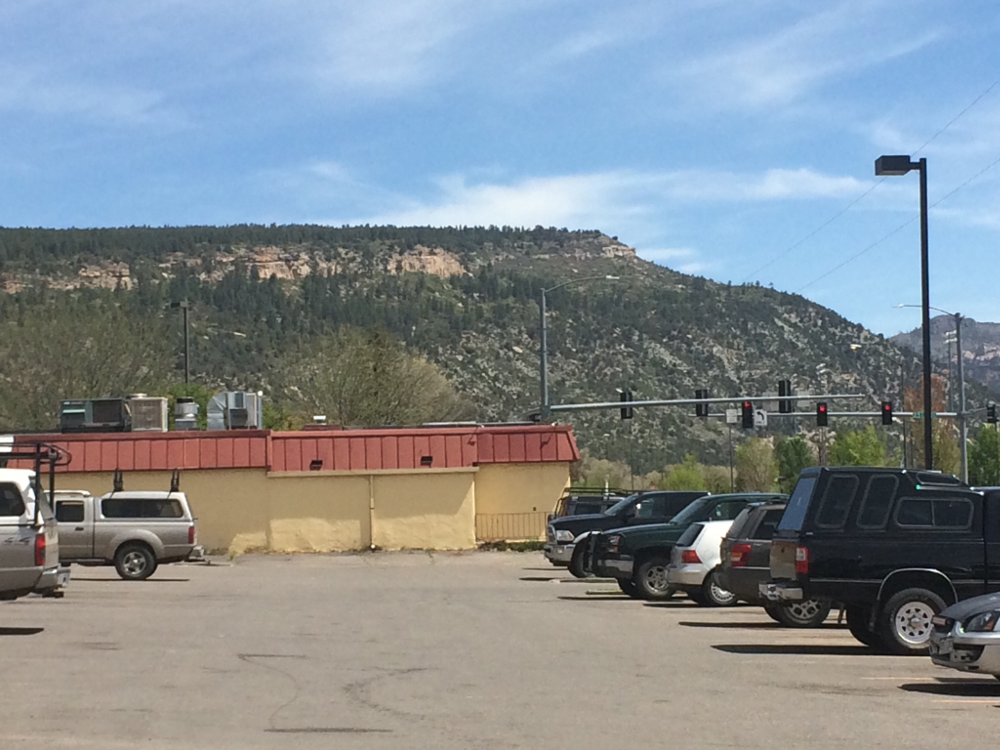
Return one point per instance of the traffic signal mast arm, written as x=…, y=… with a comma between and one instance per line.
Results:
x=735, y=400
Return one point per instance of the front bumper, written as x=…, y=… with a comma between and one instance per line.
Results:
x=559, y=554
x=778, y=592
x=686, y=576
x=52, y=581
x=966, y=652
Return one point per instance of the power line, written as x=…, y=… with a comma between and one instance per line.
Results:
x=900, y=227
x=865, y=194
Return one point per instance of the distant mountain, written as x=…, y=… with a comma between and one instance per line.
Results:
x=980, y=348
x=468, y=299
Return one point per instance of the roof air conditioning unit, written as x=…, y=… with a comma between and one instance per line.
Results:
x=95, y=415
x=186, y=414
x=149, y=414
x=236, y=410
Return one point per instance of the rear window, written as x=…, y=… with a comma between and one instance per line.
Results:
x=798, y=504
x=11, y=502
x=688, y=537
x=877, y=502
x=69, y=511
x=128, y=507
x=950, y=513
x=837, y=501
x=768, y=524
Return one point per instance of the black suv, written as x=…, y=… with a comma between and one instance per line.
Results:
x=581, y=502
x=895, y=546
x=642, y=508
x=746, y=563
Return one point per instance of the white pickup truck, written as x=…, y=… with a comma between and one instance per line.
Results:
x=29, y=539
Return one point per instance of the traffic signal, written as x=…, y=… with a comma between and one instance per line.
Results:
x=991, y=413
x=625, y=398
x=784, y=390
x=701, y=410
x=822, y=414
x=887, y=412
x=747, y=416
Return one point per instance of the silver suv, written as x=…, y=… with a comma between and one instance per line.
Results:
x=29, y=539
x=133, y=530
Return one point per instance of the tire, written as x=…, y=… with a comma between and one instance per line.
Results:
x=576, y=562
x=904, y=624
x=651, y=580
x=135, y=561
x=772, y=611
x=627, y=585
x=713, y=595
x=808, y=614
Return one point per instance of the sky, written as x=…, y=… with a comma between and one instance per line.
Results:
x=733, y=139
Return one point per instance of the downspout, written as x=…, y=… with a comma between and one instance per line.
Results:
x=371, y=511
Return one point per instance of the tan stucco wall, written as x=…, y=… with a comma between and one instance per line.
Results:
x=230, y=504
x=426, y=511
x=318, y=512
x=242, y=510
x=520, y=488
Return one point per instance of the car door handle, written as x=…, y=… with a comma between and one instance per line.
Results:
x=78, y=528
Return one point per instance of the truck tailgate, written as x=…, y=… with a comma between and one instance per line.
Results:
x=783, y=559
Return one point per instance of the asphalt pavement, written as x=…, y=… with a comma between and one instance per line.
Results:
x=446, y=650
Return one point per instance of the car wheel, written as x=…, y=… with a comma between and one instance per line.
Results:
x=628, y=586
x=135, y=562
x=905, y=622
x=651, y=580
x=808, y=614
x=773, y=611
x=858, y=618
x=713, y=595
x=576, y=562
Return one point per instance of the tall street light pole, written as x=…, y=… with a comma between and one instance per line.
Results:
x=963, y=431
x=543, y=374
x=900, y=165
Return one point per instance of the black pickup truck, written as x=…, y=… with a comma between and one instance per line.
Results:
x=656, y=506
x=895, y=546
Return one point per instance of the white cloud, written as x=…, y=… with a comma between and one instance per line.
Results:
x=782, y=67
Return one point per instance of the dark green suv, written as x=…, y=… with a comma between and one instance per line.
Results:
x=638, y=556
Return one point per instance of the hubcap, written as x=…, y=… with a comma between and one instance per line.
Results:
x=656, y=578
x=804, y=610
x=134, y=563
x=720, y=594
x=913, y=622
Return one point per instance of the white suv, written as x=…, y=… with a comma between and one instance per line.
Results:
x=695, y=561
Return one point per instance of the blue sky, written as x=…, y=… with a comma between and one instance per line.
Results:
x=718, y=137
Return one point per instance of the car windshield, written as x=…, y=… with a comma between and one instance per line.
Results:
x=798, y=504
x=615, y=509
x=694, y=511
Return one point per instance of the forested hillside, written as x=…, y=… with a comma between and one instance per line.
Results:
x=466, y=299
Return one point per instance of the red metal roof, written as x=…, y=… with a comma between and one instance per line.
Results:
x=331, y=450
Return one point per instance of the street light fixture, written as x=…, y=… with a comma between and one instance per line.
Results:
x=962, y=427
x=544, y=344
x=894, y=166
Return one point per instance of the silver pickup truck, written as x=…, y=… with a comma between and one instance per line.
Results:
x=133, y=530
x=29, y=539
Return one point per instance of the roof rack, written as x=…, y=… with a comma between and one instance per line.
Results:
x=39, y=453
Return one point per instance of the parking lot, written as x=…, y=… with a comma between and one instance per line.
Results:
x=418, y=650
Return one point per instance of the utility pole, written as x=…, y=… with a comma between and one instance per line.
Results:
x=185, y=306
x=963, y=432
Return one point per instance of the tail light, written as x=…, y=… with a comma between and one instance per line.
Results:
x=690, y=556
x=802, y=561
x=739, y=555
x=190, y=534
x=40, y=546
